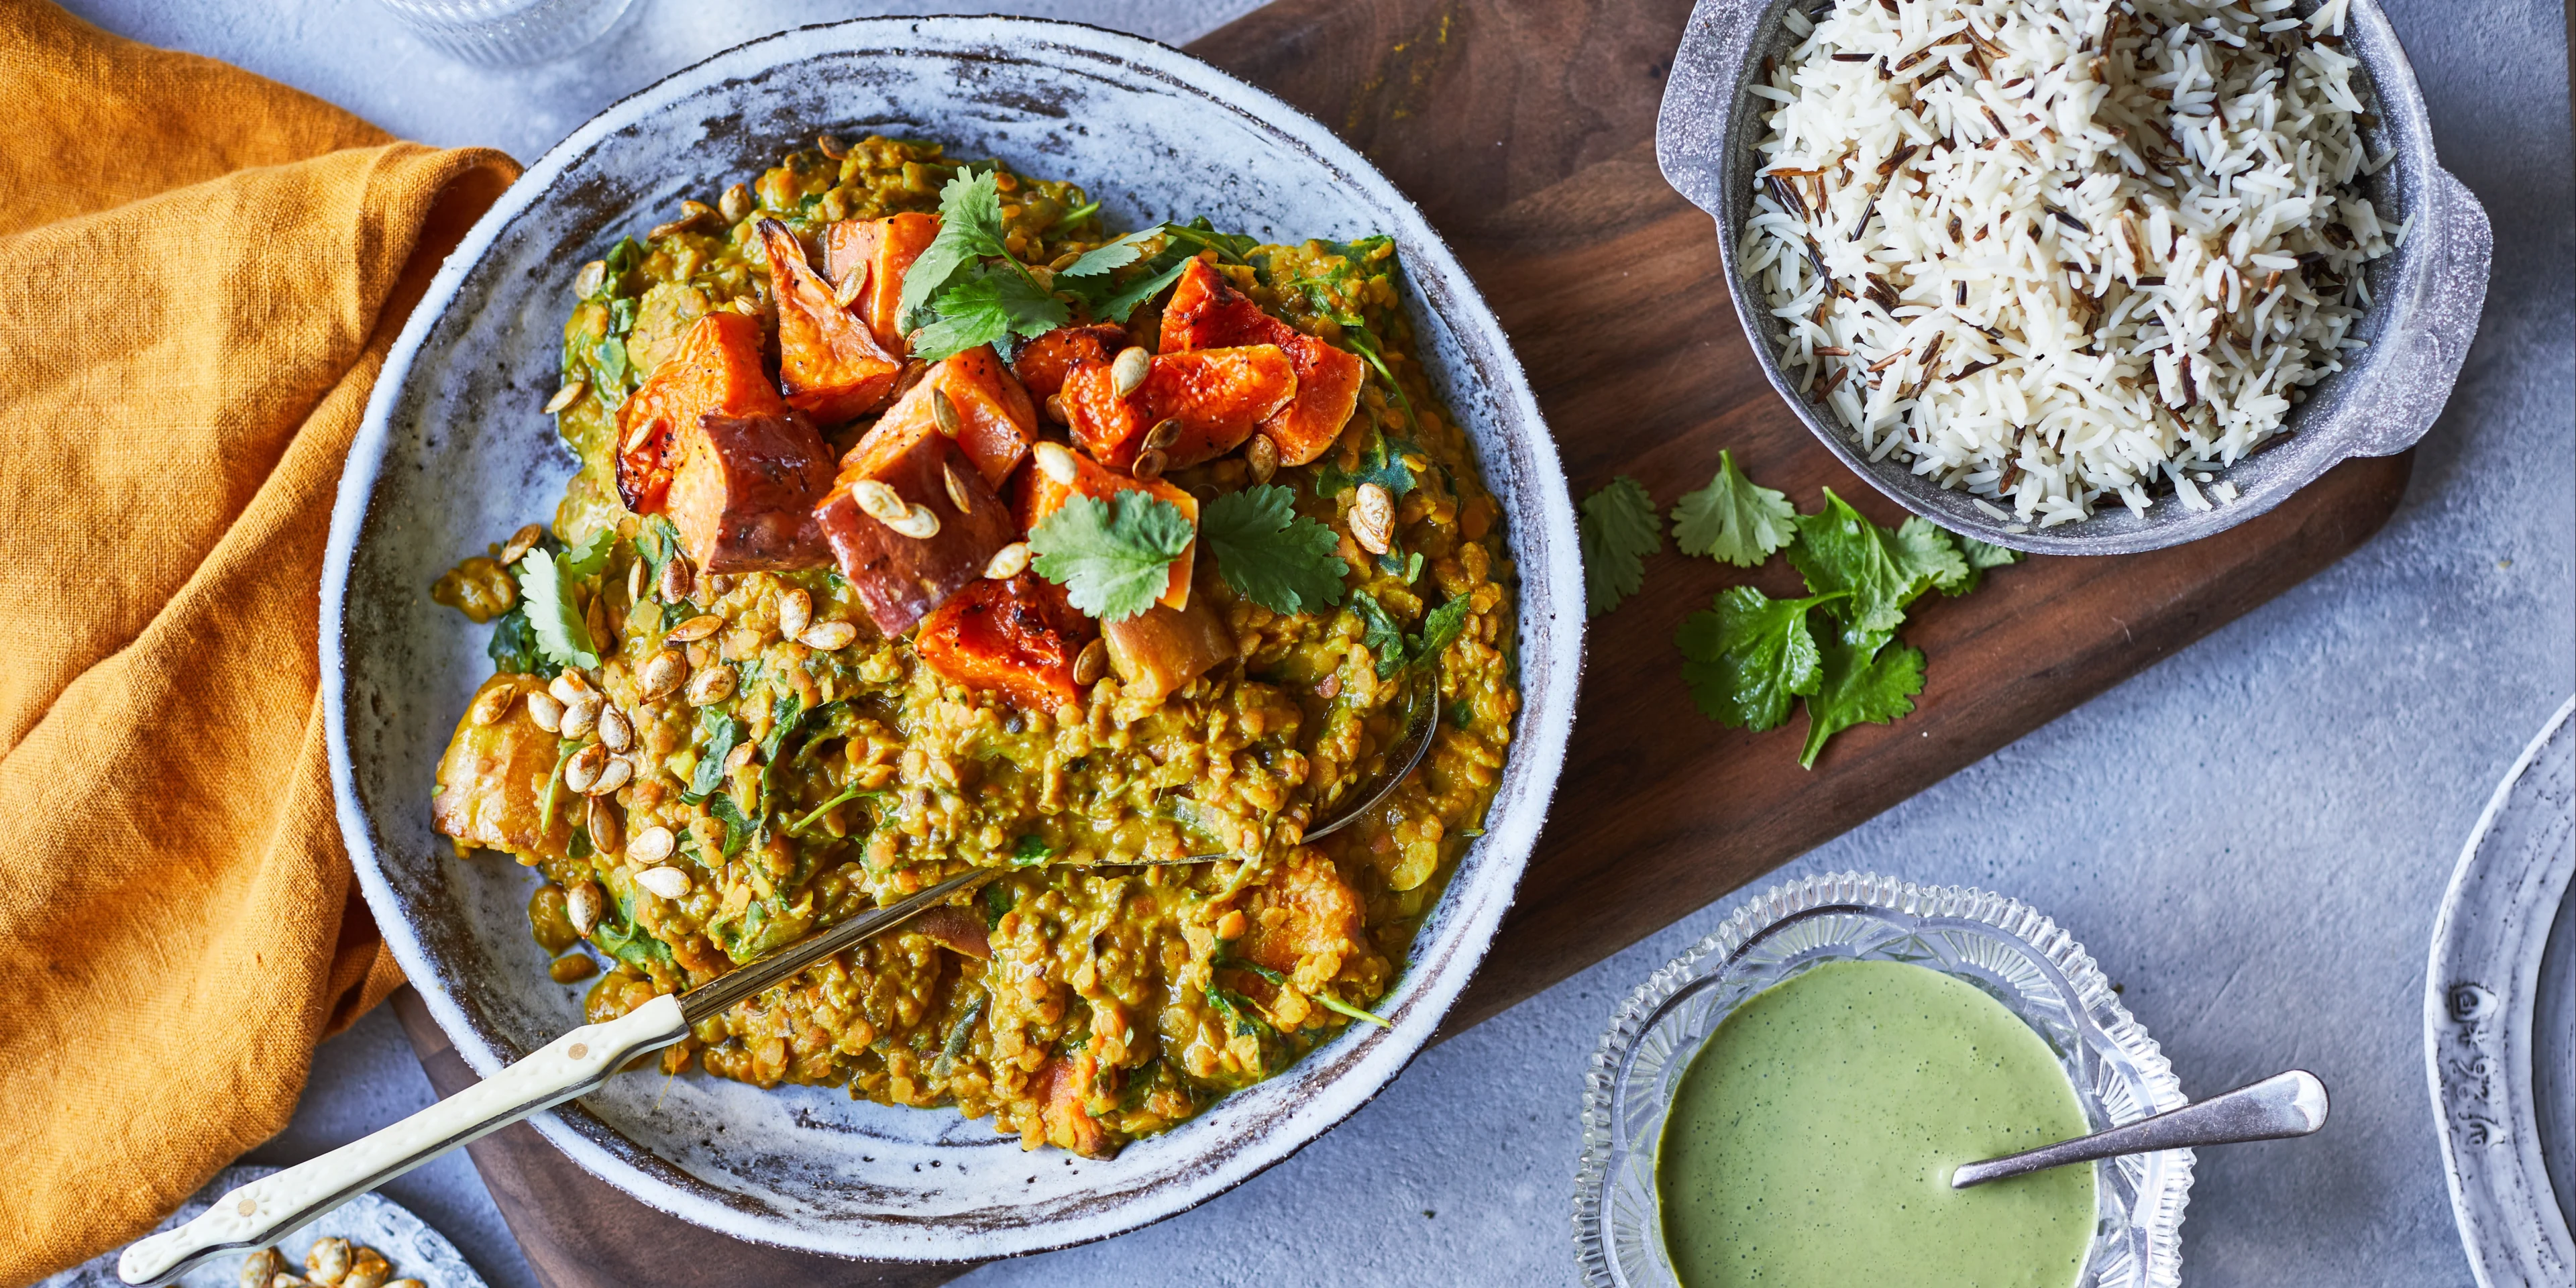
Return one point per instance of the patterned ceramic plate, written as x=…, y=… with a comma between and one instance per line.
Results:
x=415, y=1250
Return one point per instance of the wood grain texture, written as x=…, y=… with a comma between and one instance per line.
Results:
x=1525, y=131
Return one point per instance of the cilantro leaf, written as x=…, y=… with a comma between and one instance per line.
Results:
x=1982, y=559
x=1617, y=530
x=984, y=307
x=1860, y=687
x=1120, y=306
x=1031, y=851
x=1199, y=232
x=1379, y=634
x=1840, y=550
x=1441, y=628
x=1112, y=560
x=722, y=733
x=1930, y=548
x=1118, y=254
x=970, y=228
x=1748, y=655
x=590, y=558
x=1733, y=520
x=561, y=635
x=738, y=827
x=1382, y=463
x=514, y=647
x=1269, y=553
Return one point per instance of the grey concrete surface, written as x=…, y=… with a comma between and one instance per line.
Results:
x=2252, y=836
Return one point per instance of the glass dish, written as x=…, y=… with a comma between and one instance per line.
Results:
x=2000, y=945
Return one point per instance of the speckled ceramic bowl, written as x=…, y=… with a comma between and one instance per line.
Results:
x=455, y=454
x=2427, y=294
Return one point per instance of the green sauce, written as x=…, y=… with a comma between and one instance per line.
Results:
x=1813, y=1138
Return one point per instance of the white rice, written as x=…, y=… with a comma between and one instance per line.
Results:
x=2115, y=242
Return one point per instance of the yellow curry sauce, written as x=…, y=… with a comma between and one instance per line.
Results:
x=1078, y=1004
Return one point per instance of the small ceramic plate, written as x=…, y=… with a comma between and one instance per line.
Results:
x=1999, y=945
x=455, y=453
x=2500, y=1022
x=414, y=1250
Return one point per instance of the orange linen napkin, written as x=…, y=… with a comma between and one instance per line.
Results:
x=200, y=273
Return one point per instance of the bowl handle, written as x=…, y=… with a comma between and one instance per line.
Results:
x=2407, y=386
x=1696, y=119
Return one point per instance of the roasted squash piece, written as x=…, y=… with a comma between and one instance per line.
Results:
x=1018, y=636
x=716, y=370
x=1043, y=362
x=1207, y=312
x=1157, y=651
x=899, y=578
x=882, y=249
x=1040, y=494
x=955, y=929
x=1219, y=396
x=743, y=492
x=995, y=420
x=1062, y=1087
x=1304, y=921
x=830, y=365
x=492, y=782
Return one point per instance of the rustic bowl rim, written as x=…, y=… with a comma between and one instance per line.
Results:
x=2426, y=295
x=1548, y=664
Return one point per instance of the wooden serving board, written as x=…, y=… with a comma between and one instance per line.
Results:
x=1526, y=133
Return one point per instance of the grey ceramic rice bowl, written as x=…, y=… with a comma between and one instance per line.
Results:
x=2427, y=293
x=454, y=454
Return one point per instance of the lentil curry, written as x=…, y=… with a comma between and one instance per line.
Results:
x=821, y=621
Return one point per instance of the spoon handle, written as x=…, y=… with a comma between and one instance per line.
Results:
x=2286, y=1104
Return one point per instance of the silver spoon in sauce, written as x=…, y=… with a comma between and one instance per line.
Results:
x=2283, y=1105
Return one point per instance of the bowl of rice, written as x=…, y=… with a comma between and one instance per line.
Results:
x=2081, y=276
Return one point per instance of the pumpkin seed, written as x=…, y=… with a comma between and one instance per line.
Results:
x=1128, y=370
x=943, y=412
x=613, y=775
x=569, y=687
x=678, y=579
x=740, y=755
x=521, y=542
x=1055, y=461
x=616, y=732
x=635, y=582
x=1091, y=663
x=878, y=500
x=545, y=711
x=328, y=1261
x=668, y=882
x=1165, y=432
x=652, y=845
x=957, y=495
x=567, y=396
x=1008, y=561
x=1373, y=518
x=368, y=1267
x=592, y=276
x=714, y=684
x=847, y=292
x=582, y=772
x=832, y=146
x=1261, y=458
x=583, y=904
x=736, y=204
x=606, y=833
x=920, y=524
x=696, y=628
x=1149, y=465
x=261, y=1267
x=660, y=674
x=719, y=584
x=1054, y=407
x=603, y=633
x=795, y=612
x=492, y=704
x=828, y=637
x=748, y=306
x=579, y=718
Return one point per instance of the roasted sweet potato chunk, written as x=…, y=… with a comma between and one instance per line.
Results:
x=743, y=492
x=492, y=781
x=716, y=370
x=899, y=578
x=1157, y=651
x=830, y=364
x=1062, y=1088
x=1304, y=922
x=995, y=420
x=1017, y=636
x=1207, y=312
x=1039, y=494
x=1219, y=396
x=1043, y=362
x=882, y=249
